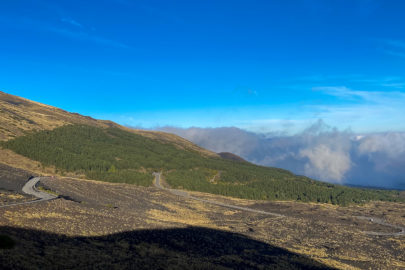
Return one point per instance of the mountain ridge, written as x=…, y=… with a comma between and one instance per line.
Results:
x=19, y=116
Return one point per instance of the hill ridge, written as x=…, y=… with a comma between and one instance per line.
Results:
x=19, y=116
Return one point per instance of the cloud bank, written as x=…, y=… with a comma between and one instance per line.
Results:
x=320, y=152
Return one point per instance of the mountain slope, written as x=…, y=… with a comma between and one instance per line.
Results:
x=105, y=151
x=20, y=116
x=230, y=156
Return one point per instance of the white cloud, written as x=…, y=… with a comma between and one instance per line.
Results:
x=391, y=144
x=366, y=110
x=320, y=152
x=325, y=163
x=379, y=97
x=399, y=85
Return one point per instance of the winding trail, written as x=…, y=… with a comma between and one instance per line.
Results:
x=188, y=196
x=30, y=189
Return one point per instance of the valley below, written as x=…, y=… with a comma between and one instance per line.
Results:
x=99, y=224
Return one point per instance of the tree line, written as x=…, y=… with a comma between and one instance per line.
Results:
x=115, y=155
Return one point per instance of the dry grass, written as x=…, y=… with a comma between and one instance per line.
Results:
x=325, y=233
x=11, y=196
x=7, y=198
x=19, y=116
x=178, y=214
x=12, y=159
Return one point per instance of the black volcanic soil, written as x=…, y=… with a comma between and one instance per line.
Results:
x=177, y=248
x=11, y=182
x=13, y=179
x=124, y=224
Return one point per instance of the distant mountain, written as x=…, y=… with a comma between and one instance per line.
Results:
x=103, y=150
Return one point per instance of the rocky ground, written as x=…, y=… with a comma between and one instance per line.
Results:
x=96, y=223
x=11, y=183
x=13, y=179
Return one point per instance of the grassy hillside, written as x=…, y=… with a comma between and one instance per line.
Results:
x=115, y=155
x=20, y=116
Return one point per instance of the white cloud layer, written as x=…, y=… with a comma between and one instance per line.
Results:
x=320, y=152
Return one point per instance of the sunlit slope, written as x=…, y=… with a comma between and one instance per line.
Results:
x=113, y=154
x=19, y=116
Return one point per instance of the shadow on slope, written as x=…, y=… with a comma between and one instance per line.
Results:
x=180, y=248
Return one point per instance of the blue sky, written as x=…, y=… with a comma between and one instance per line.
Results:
x=259, y=65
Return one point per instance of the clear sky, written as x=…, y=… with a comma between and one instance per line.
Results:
x=259, y=65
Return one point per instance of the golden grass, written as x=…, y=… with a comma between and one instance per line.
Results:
x=12, y=159
x=230, y=213
x=400, y=242
x=399, y=264
x=11, y=196
x=178, y=214
x=19, y=116
x=28, y=218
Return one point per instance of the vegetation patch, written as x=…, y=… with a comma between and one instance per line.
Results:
x=41, y=188
x=115, y=155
